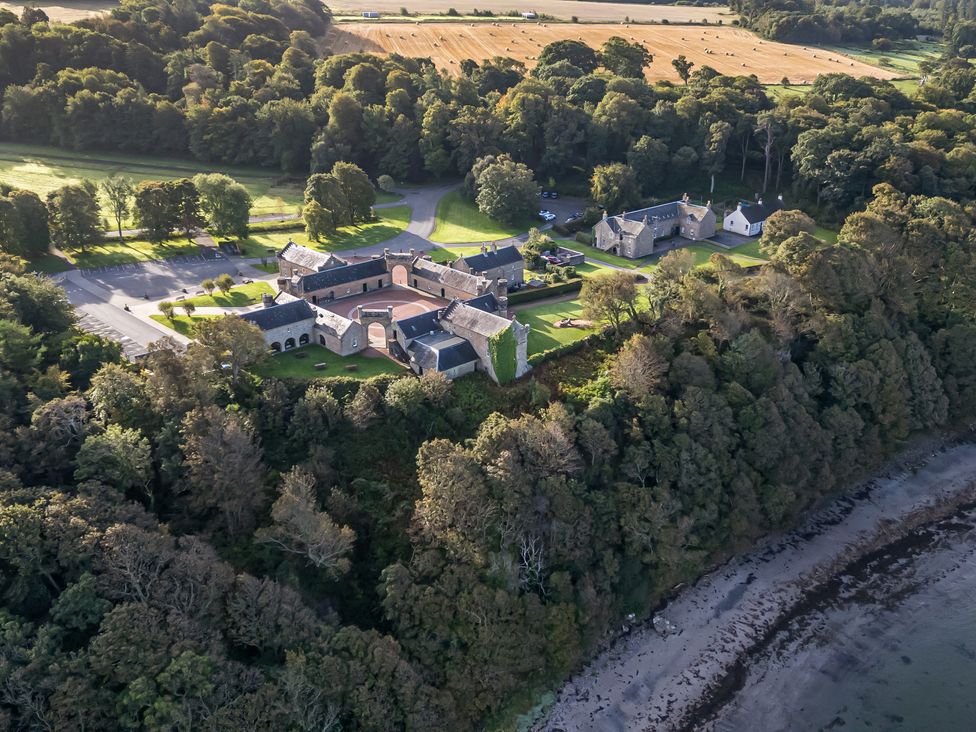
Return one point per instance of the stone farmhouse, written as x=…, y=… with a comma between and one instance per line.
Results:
x=455, y=340
x=633, y=234
x=748, y=219
x=493, y=263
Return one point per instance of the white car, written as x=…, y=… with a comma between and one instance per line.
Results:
x=547, y=215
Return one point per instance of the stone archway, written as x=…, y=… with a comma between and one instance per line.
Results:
x=400, y=275
x=384, y=318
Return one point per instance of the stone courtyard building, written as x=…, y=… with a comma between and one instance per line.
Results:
x=633, y=234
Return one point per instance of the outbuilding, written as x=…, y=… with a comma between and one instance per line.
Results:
x=748, y=218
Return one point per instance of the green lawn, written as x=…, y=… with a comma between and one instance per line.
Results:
x=49, y=264
x=589, y=269
x=703, y=251
x=391, y=221
x=544, y=335
x=113, y=251
x=42, y=169
x=904, y=58
x=287, y=366
x=779, y=91
x=237, y=297
x=271, y=267
x=182, y=324
x=442, y=255
x=384, y=197
x=826, y=235
x=607, y=257
x=458, y=221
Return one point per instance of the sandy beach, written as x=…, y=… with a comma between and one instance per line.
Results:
x=648, y=682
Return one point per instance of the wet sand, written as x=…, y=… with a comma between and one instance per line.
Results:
x=648, y=682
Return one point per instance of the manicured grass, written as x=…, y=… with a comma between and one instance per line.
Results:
x=903, y=58
x=271, y=267
x=182, y=324
x=287, y=366
x=384, y=197
x=826, y=235
x=589, y=269
x=389, y=223
x=112, y=251
x=594, y=253
x=544, y=334
x=442, y=255
x=458, y=221
x=49, y=264
x=237, y=297
x=779, y=91
x=42, y=169
x=751, y=250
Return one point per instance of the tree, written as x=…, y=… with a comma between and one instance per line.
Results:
x=74, y=215
x=780, y=226
x=300, y=528
x=224, y=282
x=505, y=189
x=225, y=473
x=318, y=221
x=713, y=154
x=576, y=53
x=386, y=183
x=208, y=286
x=184, y=200
x=154, y=210
x=649, y=157
x=640, y=366
x=231, y=340
x=614, y=187
x=166, y=308
x=24, y=229
x=683, y=66
x=225, y=204
x=610, y=296
x=624, y=58
x=359, y=194
x=118, y=191
x=118, y=457
x=189, y=308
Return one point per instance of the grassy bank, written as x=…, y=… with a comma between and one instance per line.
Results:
x=300, y=364
x=544, y=334
x=458, y=221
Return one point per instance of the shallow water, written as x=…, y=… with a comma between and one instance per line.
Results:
x=890, y=646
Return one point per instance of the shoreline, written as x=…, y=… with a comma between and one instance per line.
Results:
x=644, y=681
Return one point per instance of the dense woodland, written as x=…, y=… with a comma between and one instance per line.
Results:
x=214, y=92
x=189, y=546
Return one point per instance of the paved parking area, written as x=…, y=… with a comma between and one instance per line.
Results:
x=205, y=256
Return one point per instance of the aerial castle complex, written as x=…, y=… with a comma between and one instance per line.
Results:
x=471, y=332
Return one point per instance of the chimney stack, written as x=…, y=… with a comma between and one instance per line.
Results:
x=494, y=247
x=484, y=249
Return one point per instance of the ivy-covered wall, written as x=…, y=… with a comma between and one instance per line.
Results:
x=501, y=347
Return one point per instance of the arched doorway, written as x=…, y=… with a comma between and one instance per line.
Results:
x=377, y=335
x=276, y=347
x=399, y=275
x=303, y=339
x=289, y=344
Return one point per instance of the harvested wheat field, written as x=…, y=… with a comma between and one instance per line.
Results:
x=730, y=51
x=585, y=10
x=70, y=11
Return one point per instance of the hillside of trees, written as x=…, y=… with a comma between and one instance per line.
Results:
x=189, y=546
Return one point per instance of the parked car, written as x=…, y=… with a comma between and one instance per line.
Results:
x=553, y=194
x=547, y=215
x=545, y=194
x=552, y=260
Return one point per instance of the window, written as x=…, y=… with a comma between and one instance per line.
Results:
x=303, y=339
x=289, y=344
x=414, y=281
x=365, y=287
x=354, y=343
x=315, y=299
x=379, y=283
x=321, y=339
x=442, y=292
x=276, y=347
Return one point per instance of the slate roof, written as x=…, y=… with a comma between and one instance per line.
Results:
x=756, y=212
x=278, y=315
x=446, y=276
x=442, y=351
x=341, y=275
x=331, y=322
x=308, y=258
x=487, y=302
x=419, y=324
x=483, y=261
x=474, y=320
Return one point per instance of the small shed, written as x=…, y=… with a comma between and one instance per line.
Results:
x=529, y=15
x=371, y=14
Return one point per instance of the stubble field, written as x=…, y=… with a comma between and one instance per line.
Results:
x=730, y=51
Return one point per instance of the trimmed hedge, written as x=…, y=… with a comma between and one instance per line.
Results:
x=530, y=294
x=584, y=238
